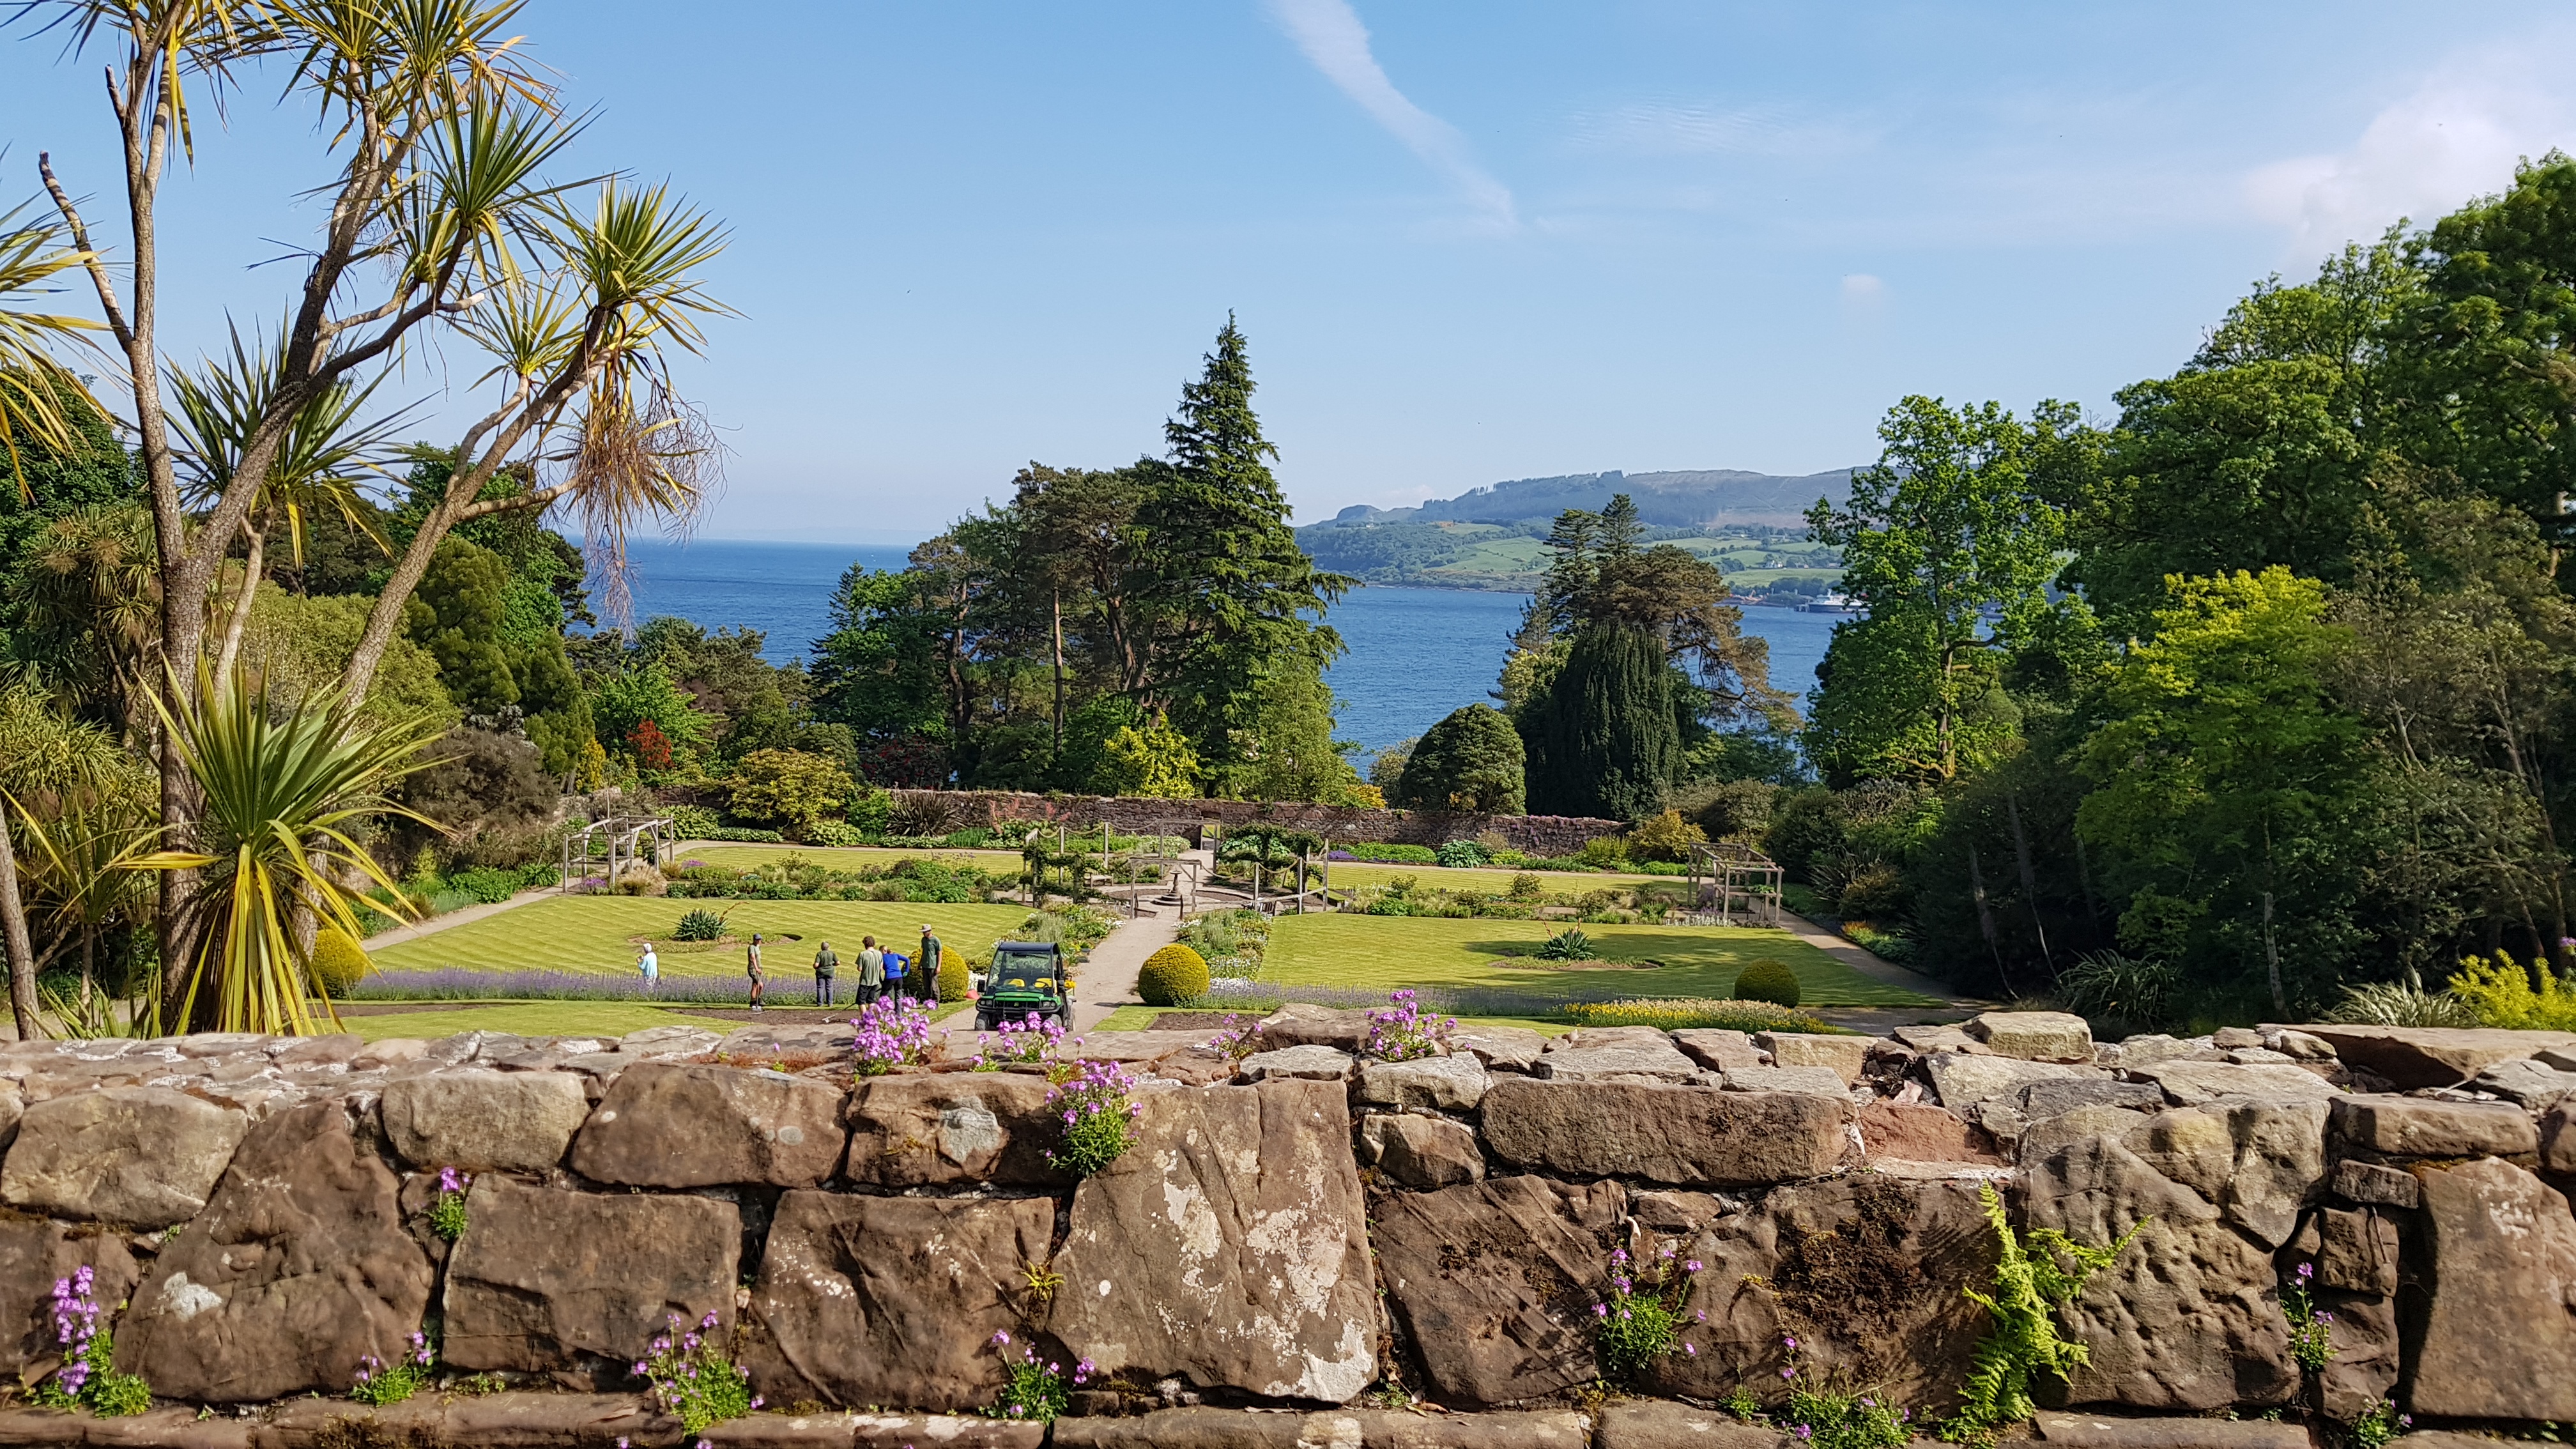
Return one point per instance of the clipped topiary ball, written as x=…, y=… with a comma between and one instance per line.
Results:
x=953, y=982
x=1171, y=976
x=1764, y=979
x=338, y=961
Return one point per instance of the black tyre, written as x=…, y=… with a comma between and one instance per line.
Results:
x=983, y=1022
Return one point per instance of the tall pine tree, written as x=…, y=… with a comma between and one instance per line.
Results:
x=1608, y=737
x=1236, y=600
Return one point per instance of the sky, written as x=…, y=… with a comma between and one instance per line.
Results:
x=1467, y=242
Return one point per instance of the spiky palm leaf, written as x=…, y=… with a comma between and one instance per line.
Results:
x=33, y=385
x=326, y=455
x=282, y=782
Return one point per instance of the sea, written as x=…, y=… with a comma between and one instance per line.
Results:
x=1414, y=654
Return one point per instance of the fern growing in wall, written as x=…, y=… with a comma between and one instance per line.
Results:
x=2030, y=1284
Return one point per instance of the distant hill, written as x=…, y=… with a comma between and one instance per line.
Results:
x=1752, y=524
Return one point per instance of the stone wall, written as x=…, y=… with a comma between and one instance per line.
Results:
x=1535, y=834
x=1292, y=1234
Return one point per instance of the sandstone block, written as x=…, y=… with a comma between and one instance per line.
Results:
x=1915, y=1133
x=2499, y=1336
x=1300, y=1063
x=2525, y=1081
x=2034, y=1036
x=916, y=1131
x=1965, y=1082
x=1656, y=1424
x=1297, y=1024
x=1660, y=1062
x=549, y=1421
x=2189, y=1083
x=1820, y=1081
x=140, y=1157
x=1447, y=1084
x=577, y=1283
x=1718, y=1049
x=1502, y=1048
x=2189, y=1318
x=1845, y=1056
x=1635, y=1038
x=2364, y=1368
x=2359, y=1254
x=299, y=1265
x=2039, y=1101
x=2088, y=1431
x=1684, y=1136
x=34, y=1253
x=1228, y=1246
x=1864, y=1270
x=2258, y=1162
x=2423, y=1127
x=892, y=1300
x=484, y=1120
x=313, y=1423
x=2558, y=1138
x=872, y=1431
x=2368, y=1182
x=1495, y=1283
x=672, y=1125
x=1421, y=1152
x=1211, y=1428
x=2432, y=1056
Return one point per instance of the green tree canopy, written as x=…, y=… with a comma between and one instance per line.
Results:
x=1471, y=760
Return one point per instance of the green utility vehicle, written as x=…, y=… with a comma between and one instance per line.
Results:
x=1026, y=978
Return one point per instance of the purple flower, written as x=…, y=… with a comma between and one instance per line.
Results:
x=1692, y=1349
x=1692, y=1266
x=2307, y=1271
x=1002, y=1336
x=1600, y=1310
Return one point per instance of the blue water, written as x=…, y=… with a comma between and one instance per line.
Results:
x=1415, y=654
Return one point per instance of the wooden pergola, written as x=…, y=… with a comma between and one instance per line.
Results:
x=630, y=839
x=1739, y=881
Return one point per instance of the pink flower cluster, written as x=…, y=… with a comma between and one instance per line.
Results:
x=1093, y=1088
x=1034, y=1040
x=891, y=1033
x=75, y=1325
x=1402, y=1033
x=1240, y=1038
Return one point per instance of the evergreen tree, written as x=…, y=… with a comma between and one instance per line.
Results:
x=1232, y=590
x=1606, y=730
x=1472, y=760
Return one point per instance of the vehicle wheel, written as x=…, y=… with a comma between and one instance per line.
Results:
x=983, y=1022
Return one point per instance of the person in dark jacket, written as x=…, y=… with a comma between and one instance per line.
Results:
x=871, y=971
x=825, y=963
x=925, y=976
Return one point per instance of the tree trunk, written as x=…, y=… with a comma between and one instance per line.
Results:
x=22, y=950
x=1986, y=916
x=1057, y=604
x=2272, y=960
x=229, y=656
x=2029, y=879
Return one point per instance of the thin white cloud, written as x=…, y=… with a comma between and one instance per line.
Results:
x=1330, y=34
x=2456, y=136
x=1674, y=128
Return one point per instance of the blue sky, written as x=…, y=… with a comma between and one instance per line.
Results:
x=1468, y=241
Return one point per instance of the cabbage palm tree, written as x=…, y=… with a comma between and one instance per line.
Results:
x=281, y=782
x=33, y=386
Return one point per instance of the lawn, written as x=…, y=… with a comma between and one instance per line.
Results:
x=532, y=1018
x=1348, y=873
x=745, y=857
x=1385, y=952
x=1143, y=1018
x=597, y=933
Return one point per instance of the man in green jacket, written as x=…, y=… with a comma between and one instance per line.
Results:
x=925, y=967
x=825, y=963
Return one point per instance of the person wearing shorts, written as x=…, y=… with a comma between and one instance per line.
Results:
x=751, y=968
x=871, y=971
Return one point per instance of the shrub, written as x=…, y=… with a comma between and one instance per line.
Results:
x=1603, y=852
x=1461, y=855
x=791, y=788
x=1527, y=888
x=1765, y=979
x=1873, y=892
x=1394, y=854
x=891, y=1033
x=833, y=832
x=2504, y=995
x=1172, y=975
x=339, y=962
x=953, y=983
x=2401, y=1003
x=699, y=925
x=382, y=1383
x=1666, y=837
x=1034, y=1389
x=2111, y=987
x=871, y=810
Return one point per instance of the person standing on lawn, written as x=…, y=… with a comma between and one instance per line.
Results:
x=871, y=971
x=825, y=963
x=650, y=965
x=895, y=972
x=926, y=967
x=751, y=968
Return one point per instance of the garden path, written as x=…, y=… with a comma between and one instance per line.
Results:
x=1109, y=979
x=1867, y=962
